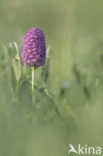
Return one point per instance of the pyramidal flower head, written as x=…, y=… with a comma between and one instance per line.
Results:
x=34, y=49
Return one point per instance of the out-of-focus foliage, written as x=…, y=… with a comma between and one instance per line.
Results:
x=68, y=99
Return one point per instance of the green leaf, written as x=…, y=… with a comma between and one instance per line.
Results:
x=17, y=63
x=17, y=68
x=46, y=69
x=17, y=51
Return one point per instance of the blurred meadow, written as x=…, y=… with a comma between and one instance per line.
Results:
x=68, y=100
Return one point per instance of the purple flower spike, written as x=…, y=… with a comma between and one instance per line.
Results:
x=34, y=49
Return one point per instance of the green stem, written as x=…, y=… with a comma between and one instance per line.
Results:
x=33, y=72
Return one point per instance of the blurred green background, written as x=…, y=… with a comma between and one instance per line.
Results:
x=74, y=34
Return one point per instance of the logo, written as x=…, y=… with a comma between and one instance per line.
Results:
x=84, y=149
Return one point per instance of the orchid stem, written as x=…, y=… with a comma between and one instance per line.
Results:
x=33, y=74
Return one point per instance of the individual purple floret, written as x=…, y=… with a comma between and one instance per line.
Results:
x=34, y=49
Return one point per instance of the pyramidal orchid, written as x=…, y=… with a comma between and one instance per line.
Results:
x=33, y=51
